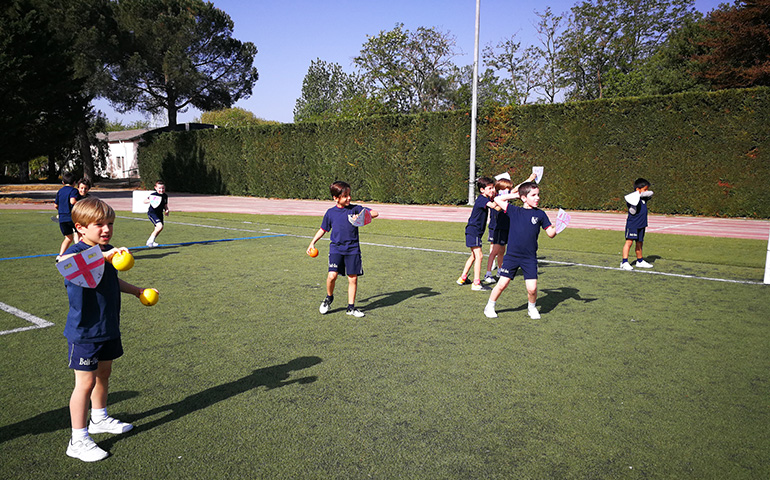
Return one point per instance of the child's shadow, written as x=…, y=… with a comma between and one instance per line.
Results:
x=553, y=297
x=269, y=377
x=393, y=298
x=51, y=421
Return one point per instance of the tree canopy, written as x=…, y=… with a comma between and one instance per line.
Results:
x=178, y=53
x=737, y=45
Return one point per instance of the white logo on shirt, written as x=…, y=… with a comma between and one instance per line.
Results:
x=534, y=220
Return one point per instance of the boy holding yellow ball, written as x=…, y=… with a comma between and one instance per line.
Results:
x=93, y=331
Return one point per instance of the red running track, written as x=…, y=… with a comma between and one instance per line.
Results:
x=188, y=202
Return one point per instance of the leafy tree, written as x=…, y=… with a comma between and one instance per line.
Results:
x=38, y=83
x=233, y=117
x=737, y=40
x=490, y=90
x=326, y=89
x=407, y=71
x=521, y=69
x=118, y=126
x=551, y=77
x=669, y=70
x=180, y=53
x=607, y=35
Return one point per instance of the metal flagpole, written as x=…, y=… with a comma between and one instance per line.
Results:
x=474, y=108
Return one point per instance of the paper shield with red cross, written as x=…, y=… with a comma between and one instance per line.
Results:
x=363, y=218
x=562, y=220
x=84, y=269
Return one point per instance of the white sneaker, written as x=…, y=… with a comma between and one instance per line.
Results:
x=325, y=305
x=626, y=266
x=477, y=287
x=643, y=264
x=533, y=313
x=490, y=312
x=488, y=280
x=86, y=450
x=356, y=313
x=151, y=244
x=109, y=425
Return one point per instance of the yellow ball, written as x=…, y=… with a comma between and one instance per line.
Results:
x=123, y=261
x=149, y=296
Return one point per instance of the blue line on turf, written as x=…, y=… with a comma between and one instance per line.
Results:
x=143, y=247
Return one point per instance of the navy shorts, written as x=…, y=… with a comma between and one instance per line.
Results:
x=342, y=263
x=498, y=237
x=86, y=356
x=154, y=218
x=635, y=234
x=67, y=228
x=472, y=241
x=512, y=264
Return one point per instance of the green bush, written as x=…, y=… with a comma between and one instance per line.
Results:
x=705, y=154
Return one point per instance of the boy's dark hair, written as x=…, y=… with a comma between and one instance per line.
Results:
x=339, y=188
x=85, y=181
x=160, y=182
x=641, y=183
x=484, y=182
x=527, y=187
x=67, y=178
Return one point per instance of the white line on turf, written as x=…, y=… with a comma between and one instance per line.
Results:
x=37, y=321
x=601, y=267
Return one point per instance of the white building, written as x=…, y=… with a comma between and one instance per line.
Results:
x=122, y=153
x=123, y=148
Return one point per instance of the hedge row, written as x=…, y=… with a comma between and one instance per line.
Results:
x=705, y=153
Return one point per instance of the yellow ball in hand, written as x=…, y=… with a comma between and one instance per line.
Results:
x=149, y=296
x=123, y=261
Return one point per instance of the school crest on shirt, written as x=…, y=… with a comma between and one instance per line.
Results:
x=155, y=200
x=84, y=269
x=534, y=220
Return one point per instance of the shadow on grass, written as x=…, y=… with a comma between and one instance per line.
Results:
x=550, y=298
x=393, y=298
x=270, y=377
x=51, y=421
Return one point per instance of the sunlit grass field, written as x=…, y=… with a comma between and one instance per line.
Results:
x=235, y=373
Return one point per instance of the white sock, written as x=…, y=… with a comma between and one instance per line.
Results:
x=151, y=239
x=79, y=434
x=531, y=305
x=491, y=304
x=98, y=414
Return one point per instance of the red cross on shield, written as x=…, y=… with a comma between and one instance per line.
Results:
x=84, y=269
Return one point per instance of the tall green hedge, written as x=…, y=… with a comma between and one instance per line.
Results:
x=705, y=153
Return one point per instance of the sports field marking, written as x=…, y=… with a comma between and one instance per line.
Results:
x=37, y=321
x=573, y=264
x=585, y=265
x=680, y=225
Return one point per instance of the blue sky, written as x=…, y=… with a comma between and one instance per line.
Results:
x=289, y=34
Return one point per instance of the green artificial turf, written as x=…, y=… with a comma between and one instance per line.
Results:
x=235, y=373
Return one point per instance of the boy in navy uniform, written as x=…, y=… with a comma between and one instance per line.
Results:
x=93, y=333
x=84, y=186
x=525, y=225
x=344, y=249
x=155, y=213
x=636, y=223
x=474, y=232
x=65, y=199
